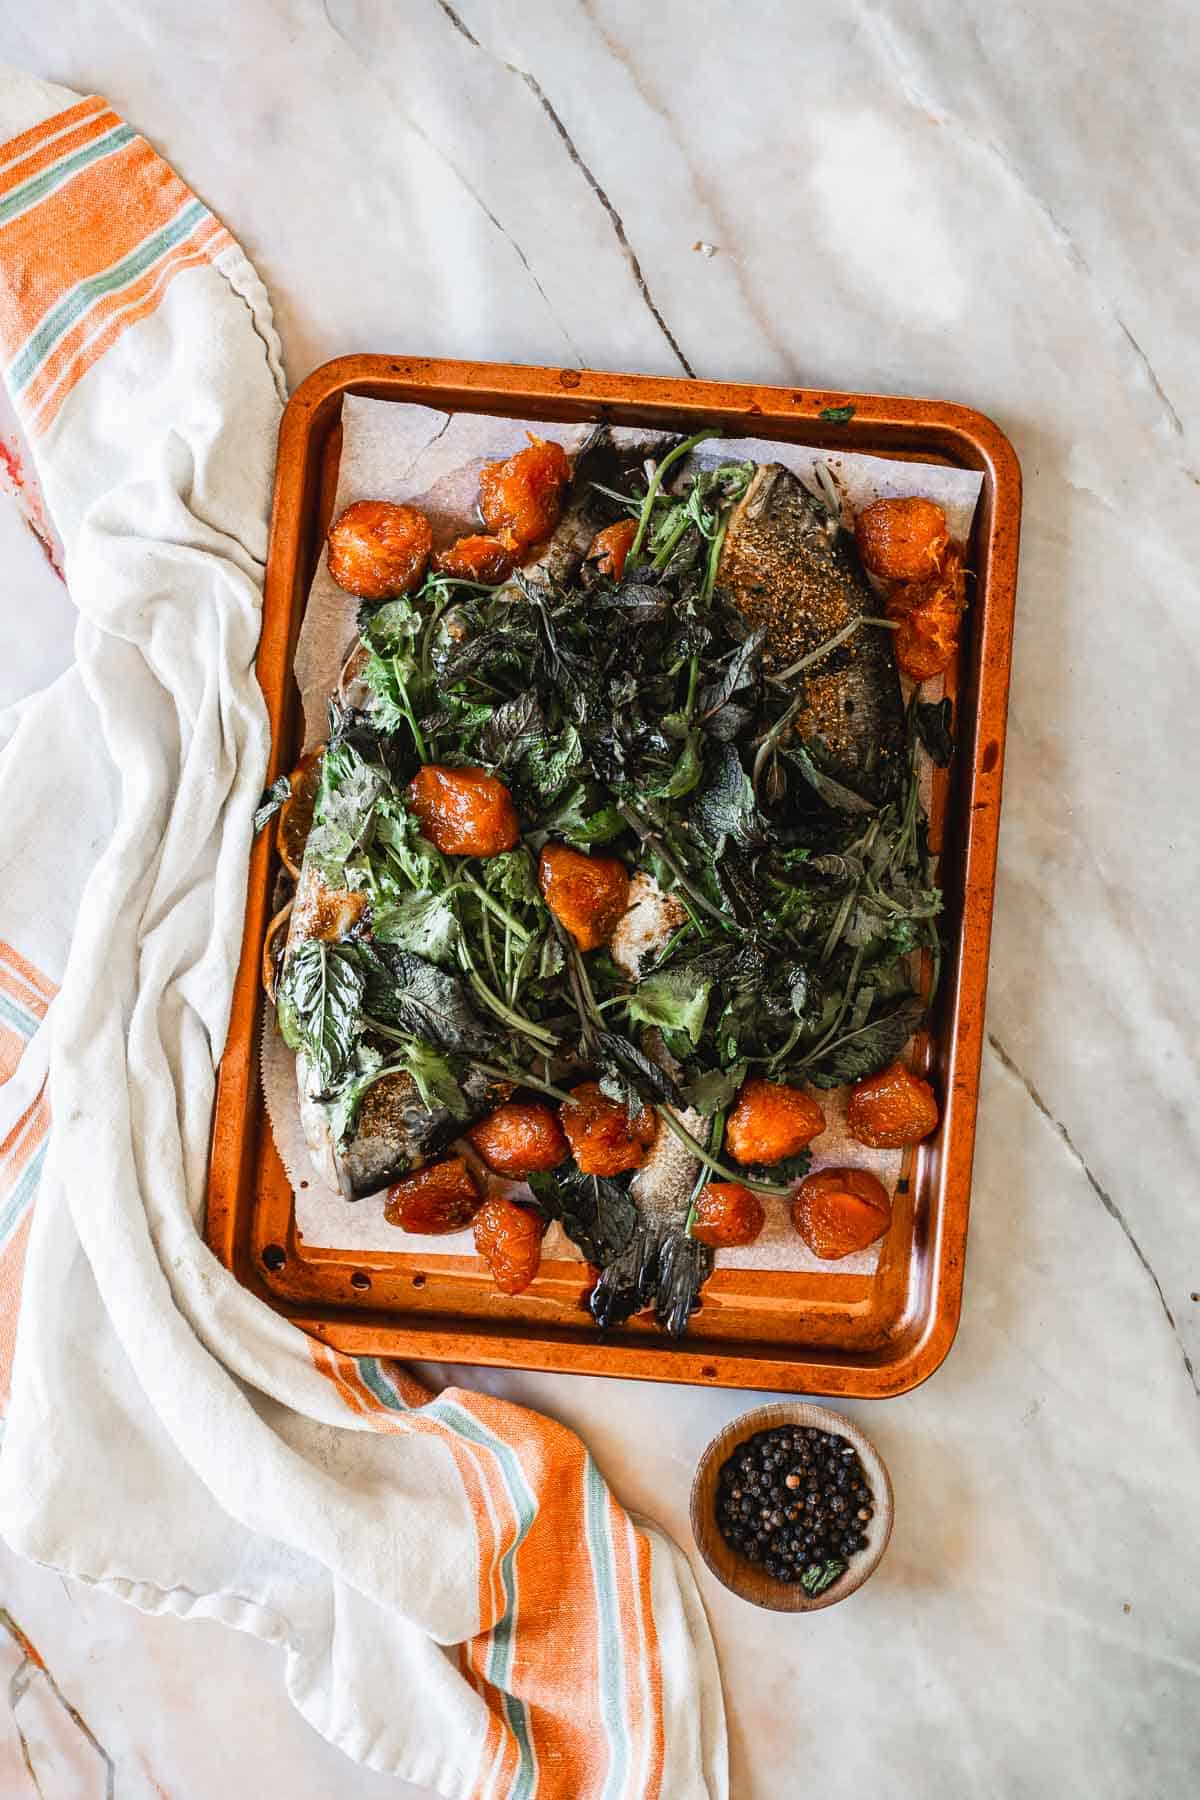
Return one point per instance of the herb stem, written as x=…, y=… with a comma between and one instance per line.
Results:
x=490, y=903
x=406, y=708
x=714, y=556
x=652, y=492
x=537, y=1033
x=693, y=681
x=522, y=1077
x=834, y=643
x=487, y=948
x=710, y=1162
x=714, y=1144
x=663, y=555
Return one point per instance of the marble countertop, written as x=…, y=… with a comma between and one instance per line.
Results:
x=990, y=204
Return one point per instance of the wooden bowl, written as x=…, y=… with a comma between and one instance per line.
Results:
x=750, y=1580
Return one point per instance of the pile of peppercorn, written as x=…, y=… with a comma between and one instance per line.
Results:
x=796, y=1500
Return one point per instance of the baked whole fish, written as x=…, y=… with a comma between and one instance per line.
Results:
x=788, y=573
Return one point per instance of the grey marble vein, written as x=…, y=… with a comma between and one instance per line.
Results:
x=615, y=219
x=1105, y=1198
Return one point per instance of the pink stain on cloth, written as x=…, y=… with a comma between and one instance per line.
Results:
x=20, y=482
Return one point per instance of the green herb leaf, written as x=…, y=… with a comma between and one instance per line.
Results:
x=547, y=767
x=514, y=727
x=596, y=1212
x=675, y=999
x=714, y=1091
x=789, y=1169
x=836, y=415
x=551, y=957
x=320, y=997
x=398, y=844
x=725, y=806
x=422, y=921
x=833, y=792
x=511, y=875
x=411, y=995
x=393, y=629
x=624, y=1055
x=599, y=827
x=273, y=798
x=738, y=672
x=819, y=1576
x=864, y=1052
x=436, y=1081
x=684, y=776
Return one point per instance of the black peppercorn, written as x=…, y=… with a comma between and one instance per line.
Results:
x=796, y=1501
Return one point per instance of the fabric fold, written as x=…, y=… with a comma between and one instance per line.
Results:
x=461, y=1599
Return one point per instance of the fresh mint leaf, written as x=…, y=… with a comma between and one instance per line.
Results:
x=599, y=827
x=595, y=1211
x=724, y=807
x=436, y=1081
x=407, y=993
x=514, y=727
x=683, y=776
x=547, y=766
x=857, y=1054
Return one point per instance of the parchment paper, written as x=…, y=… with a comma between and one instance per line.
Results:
x=432, y=460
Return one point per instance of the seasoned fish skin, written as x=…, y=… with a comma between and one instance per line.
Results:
x=786, y=574
x=599, y=460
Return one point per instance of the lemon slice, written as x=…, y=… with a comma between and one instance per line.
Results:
x=296, y=814
x=277, y=927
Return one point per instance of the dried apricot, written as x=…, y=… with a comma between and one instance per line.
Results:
x=475, y=558
x=770, y=1120
x=600, y=1134
x=929, y=613
x=378, y=550
x=522, y=498
x=465, y=812
x=586, y=894
x=838, y=1211
x=727, y=1215
x=443, y=1197
x=891, y=1110
x=609, y=548
x=509, y=1239
x=902, y=540
x=520, y=1137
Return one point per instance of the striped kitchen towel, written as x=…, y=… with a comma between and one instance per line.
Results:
x=461, y=1599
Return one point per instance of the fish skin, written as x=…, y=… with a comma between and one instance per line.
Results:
x=661, y=1265
x=786, y=572
x=601, y=458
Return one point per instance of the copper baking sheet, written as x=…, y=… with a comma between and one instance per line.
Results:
x=805, y=1332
